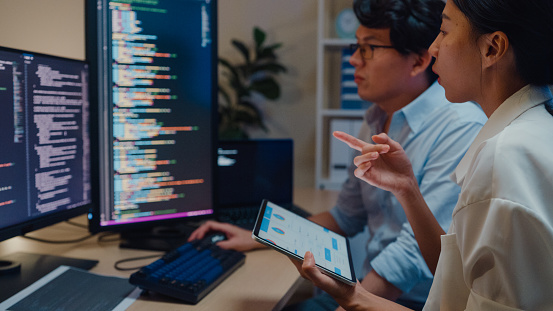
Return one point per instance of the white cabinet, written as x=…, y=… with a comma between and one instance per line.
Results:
x=329, y=81
x=340, y=154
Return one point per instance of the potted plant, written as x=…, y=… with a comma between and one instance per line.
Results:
x=254, y=76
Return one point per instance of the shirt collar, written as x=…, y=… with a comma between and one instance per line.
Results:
x=415, y=113
x=524, y=99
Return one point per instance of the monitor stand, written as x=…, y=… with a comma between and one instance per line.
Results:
x=161, y=238
x=19, y=270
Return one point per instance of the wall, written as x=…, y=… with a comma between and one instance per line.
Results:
x=47, y=26
x=294, y=23
x=57, y=27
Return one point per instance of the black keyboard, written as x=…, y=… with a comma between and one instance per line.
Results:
x=189, y=272
x=246, y=216
x=241, y=216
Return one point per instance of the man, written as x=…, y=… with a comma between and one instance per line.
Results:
x=393, y=71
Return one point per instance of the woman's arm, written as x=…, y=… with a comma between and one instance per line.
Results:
x=385, y=165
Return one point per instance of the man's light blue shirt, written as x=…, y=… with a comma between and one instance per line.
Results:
x=435, y=135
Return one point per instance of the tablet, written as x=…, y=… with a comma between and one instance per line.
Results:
x=293, y=235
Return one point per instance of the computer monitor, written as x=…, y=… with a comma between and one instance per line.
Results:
x=44, y=149
x=252, y=170
x=154, y=82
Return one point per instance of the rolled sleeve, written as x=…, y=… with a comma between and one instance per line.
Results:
x=350, y=212
x=401, y=262
x=350, y=225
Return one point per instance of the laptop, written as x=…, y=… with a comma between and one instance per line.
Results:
x=249, y=171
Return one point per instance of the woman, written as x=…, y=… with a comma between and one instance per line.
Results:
x=498, y=253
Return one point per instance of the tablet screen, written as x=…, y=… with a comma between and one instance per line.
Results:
x=294, y=235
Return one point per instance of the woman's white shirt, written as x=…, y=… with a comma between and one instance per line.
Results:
x=498, y=253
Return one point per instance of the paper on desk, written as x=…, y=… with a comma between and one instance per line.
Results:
x=68, y=288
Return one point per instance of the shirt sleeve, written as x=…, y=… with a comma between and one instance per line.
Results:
x=401, y=262
x=349, y=213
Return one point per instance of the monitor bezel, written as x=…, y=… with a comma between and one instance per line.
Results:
x=93, y=49
x=52, y=218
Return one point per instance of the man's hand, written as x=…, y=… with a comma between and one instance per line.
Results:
x=237, y=238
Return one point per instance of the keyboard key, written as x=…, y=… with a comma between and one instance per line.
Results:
x=189, y=272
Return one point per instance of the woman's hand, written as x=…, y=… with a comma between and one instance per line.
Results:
x=338, y=290
x=237, y=238
x=384, y=164
x=349, y=297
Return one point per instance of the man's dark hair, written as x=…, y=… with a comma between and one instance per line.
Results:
x=413, y=24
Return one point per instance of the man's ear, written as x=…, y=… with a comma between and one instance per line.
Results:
x=493, y=47
x=421, y=62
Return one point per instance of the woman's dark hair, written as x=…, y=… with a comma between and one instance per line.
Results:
x=529, y=26
x=413, y=24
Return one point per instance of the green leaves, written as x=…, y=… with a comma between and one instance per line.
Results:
x=259, y=37
x=267, y=87
x=256, y=74
x=270, y=67
x=243, y=49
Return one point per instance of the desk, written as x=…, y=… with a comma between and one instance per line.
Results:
x=265, y=282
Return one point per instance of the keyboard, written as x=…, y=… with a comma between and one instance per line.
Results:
x=246, y=216
x=191, y=271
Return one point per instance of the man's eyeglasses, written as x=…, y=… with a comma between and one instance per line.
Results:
x=367, y=50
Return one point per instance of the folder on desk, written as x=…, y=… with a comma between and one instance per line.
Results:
x=69, y=288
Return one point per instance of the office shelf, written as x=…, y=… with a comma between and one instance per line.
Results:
x=328, y=106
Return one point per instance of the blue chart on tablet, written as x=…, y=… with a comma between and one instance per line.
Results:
x=299, y=235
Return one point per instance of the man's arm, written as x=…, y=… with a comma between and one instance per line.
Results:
x=240, y=239
x=326, y=220
x=372, y=282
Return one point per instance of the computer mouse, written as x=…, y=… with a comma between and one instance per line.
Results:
x=215, y=236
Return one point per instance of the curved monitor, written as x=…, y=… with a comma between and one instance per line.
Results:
x=44, y=138
x=154, y=79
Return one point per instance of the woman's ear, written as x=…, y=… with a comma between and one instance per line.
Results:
x=421, y=62
x=493, y=47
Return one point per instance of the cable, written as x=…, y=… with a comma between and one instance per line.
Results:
x=58, y=242
x=101, y=238
x=76, y=224
x=117, y=263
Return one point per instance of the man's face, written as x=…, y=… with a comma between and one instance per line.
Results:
x=384, y=76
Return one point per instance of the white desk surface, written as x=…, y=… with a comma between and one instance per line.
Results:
x=265, y=282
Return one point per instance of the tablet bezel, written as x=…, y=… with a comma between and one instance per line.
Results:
x=255, y=236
